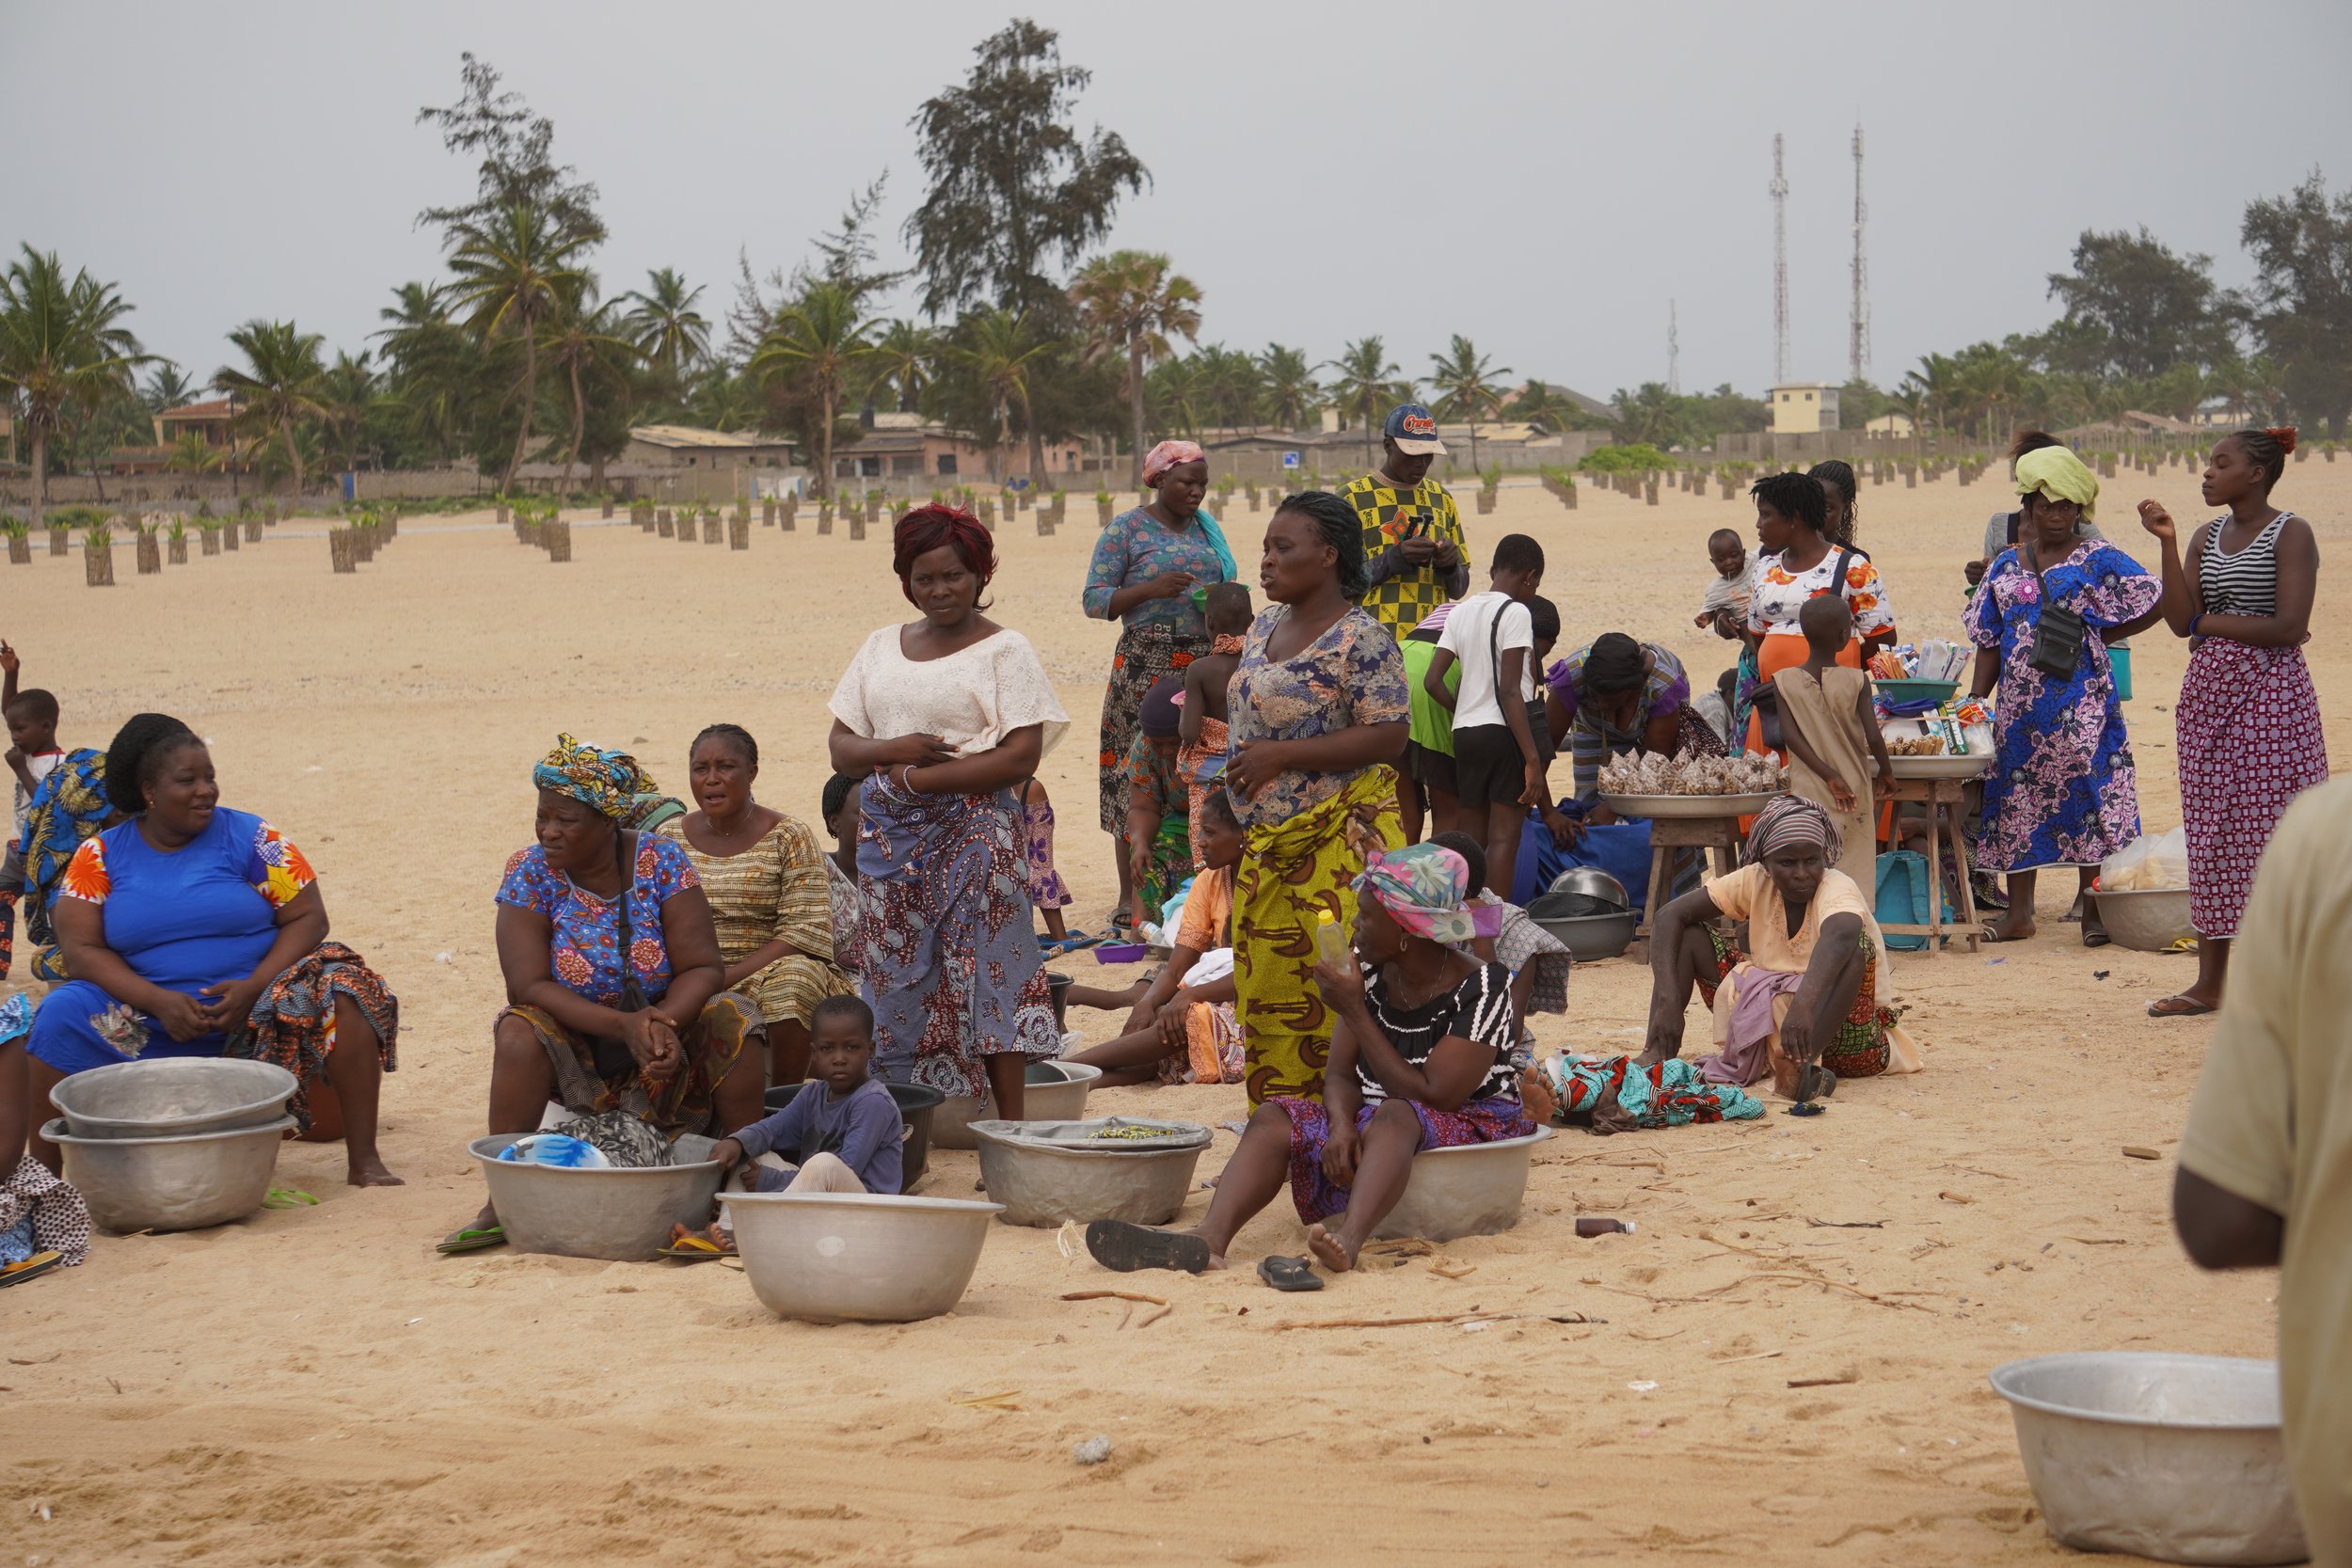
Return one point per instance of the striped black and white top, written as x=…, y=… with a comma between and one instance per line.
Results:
x=2246, y=581
x=1478, y=1009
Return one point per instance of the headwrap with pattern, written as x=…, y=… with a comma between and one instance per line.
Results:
x=610, y=781
x=1422, y=886
x=1169, y=454
x=1792, y=820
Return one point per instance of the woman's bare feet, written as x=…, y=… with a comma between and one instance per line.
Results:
x=1329, y=1250
x=2016, y=926
x=370, y=1172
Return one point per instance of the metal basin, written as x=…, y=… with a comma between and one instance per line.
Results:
x=172, y=1095
x=857, y=1256
x=1471, y=1191
x=1043, y=1174
x=619, y=1214
x=2147, y=921
x=1590, y=938
x=1056, y=1092
x=2173, y=1457
x=184, y=1181
x=916, y=1105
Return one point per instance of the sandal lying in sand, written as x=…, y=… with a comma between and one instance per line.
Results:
x=467, y=1237
x=697, y=1247
x=32, y=1268
x=1123, y=1247
x=1288, y=1274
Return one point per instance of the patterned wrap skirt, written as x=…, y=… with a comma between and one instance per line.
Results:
x=293, y=1024
x=674, y=1102
x=1479, y=1121
x=1860, y=1047
x=1143, y=656
x=2248, y=726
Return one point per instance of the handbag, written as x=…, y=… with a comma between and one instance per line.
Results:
x=2058, y=633
x=613, y=1058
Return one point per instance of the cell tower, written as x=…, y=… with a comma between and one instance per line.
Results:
x=1674, y=351
x=1780, y=266
x=1858, y=346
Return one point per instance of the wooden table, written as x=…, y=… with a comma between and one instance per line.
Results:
x=1670, y=837
x=1945, y=800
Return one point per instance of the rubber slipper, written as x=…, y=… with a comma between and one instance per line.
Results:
x=1124, y=1247
x=32, y=1268
x=288, y=1197
x=1993, y=935
x=697, y=1247
x=2093, y=937
x=2185, y=1008
x=470, y=1239
x=1288, y=1274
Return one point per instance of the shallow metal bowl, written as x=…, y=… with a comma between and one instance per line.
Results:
x=172, y=1095
x=2173, y=1457
x=620, y=1214
x=183, y=1181
x=1043, y=1174
x=2146, y=921
x=1667, y=807
x=1055, y=1091
x=1965, y=765
x=1474, y=1189
x=1592, y=882
x=1591, y=938
x=858, y=1257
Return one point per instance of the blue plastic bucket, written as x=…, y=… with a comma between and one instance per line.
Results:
x=2120, y=660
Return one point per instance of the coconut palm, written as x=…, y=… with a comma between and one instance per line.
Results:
x=902, y=359
x=1471, y=386
x=192, y=454
x=586, y=342
x=510, y=270
x=63, y=349
x=1367, y=383
x=350, y=392
x=1291, y=395
x=820, y=337
x=1130, y=303
x=996, y=349
x=166, y=386
x=1546, y=408
x=430, y=366
x=665, y=328
x=281, y=389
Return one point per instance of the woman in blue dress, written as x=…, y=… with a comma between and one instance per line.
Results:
x=2061, y=791
x=194, y=930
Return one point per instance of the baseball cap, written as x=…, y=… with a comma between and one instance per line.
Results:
x=1414, y=430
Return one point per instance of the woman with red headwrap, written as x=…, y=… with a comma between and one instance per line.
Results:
x=1147, y=567
x=945, y=716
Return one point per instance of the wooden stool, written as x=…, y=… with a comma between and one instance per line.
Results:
x=1944, y=798
x=1669, y=836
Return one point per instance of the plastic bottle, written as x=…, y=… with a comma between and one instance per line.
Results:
x=1330, y=943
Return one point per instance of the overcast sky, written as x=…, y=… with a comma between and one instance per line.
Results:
x=1544, y=177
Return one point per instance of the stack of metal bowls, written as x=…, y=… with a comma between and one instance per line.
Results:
x=1588, y=911
x=175, y=1143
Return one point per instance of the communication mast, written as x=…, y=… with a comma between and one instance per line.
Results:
x=1674, y=353
x=1780, y=266
x=1858, y=346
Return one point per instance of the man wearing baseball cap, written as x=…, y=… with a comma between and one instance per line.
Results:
x=1412, y=532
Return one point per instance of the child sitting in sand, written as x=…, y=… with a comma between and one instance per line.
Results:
x=843, y=1125
x=1726, y=607
x=1829, y=724
x=1201, y=728
x=1159, y=807
x=33, y=756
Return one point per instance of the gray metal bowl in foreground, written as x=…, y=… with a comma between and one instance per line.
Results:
x=2173, y=1457
x=620, y=1214
x=172, y=1095
x=1590, y=938
x=2146, y=921
x=1476, y=1189
x=1045, y=1172
x=1055, y=1091
x=182, y=1182
x=858, y=1257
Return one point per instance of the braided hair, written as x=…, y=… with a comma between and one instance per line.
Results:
x=2267, y=449
x=135, y=757
x=1839, y=473
x=1796, y=496
x=1336, y=521
x=734, y=735
x=929, y=528
x=837, y=794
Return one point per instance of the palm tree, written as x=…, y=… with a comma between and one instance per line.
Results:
x=62, y=349
x=1937, y=379
x=1546, y=408
x=1471, y=384
x=166, y=388
x=349, y=392
x=510, y=270
x=193, y=455
x=1180, y=389
x=1291, y=395
x=1130, y=302
x=820, y=337
x=428, y=363
x=1366, y=382
x=902, y=359
x=584, y=340
x=996, y=348
x=665, y=328
x=282, y=385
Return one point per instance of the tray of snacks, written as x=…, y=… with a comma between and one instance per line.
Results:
x=1655, y=787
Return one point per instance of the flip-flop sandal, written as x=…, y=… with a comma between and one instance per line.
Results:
x=2186, y=1009
x=1124, y=1247
x=1990, y=933
x=1288, y=1274
x=470, y=1239
x=696, y=1246
x=32, y=1268
x=288, y=1197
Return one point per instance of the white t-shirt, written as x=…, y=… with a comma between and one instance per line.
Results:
x=1467, y=636
x=972, y=699
x=40, y=764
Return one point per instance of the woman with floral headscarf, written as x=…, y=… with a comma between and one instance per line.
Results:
x=615, y=987
x=1147, y=568
x=1421, y=1058
x=1806, y=998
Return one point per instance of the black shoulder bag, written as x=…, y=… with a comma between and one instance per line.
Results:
x=2057, y=632
x=614, y=1059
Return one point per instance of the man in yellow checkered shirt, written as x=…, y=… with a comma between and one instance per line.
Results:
x=1412, y=532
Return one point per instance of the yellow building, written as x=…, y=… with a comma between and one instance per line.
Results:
x=1804, y=408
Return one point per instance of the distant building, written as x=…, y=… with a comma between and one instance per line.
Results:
x=677, y=445
x=207, y=420
x=1804, y=408
x=1897, y=424
x=906, y=445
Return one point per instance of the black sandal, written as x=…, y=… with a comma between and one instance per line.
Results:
x=1124, y=1247
x=1288, y=1274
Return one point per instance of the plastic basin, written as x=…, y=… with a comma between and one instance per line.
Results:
x=916, y=1105
x=180, y=1181
x=172, y=1095
x=2146, y=921
x=1476, y=1189
x=1044, y=1175
x=622, y=1215
x=2173, y=1457
x=857, y=1256
x=1056, y=1091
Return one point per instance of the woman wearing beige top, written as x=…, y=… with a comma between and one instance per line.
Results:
x=769, y=898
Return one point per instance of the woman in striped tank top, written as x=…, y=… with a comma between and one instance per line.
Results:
x=2247, y=720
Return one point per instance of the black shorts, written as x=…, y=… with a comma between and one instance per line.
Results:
x=1430, y=769
x=1488, y=768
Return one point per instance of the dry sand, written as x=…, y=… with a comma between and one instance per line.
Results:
x=317, y=1387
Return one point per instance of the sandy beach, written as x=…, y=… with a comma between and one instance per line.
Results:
x=1786, y=1364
